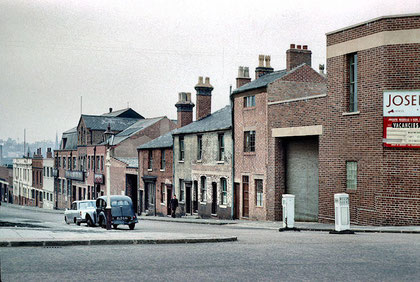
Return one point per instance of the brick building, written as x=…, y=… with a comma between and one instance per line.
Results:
x=6, y=183
x=370, y=64
x=277, y=119
x=37, y=179
x=203, y=159
x=81, y=159
x=22, y=181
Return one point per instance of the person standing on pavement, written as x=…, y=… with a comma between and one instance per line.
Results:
x=174, y=205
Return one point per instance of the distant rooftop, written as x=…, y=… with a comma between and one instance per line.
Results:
x=101, y=122
x=164, y=141
x=125, y=113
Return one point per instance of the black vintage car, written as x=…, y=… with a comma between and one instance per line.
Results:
x=122, y=211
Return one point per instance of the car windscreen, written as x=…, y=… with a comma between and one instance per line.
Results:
x=119, y=203
x=85, y=205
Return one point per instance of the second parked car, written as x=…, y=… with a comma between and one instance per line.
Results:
x=122, y=211
x=80, y=212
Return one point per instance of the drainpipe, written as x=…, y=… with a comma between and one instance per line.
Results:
x=233, y=154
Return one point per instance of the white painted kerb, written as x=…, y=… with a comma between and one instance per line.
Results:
x=297, y=131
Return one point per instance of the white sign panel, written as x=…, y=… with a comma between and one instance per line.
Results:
x=402, y=103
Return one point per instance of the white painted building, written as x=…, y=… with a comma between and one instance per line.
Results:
x=22, y=181
x=48, y=183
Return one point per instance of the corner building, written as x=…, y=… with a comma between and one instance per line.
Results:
x=366, y=64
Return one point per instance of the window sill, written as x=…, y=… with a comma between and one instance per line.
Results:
x=351, y=191
x=203, y=203
x=149, y=169
x=351, y=113
x=223, y=206
x=259, y=206
x=199, y=161
x=249, y=153
x=220, y=162
x=162, y=204
x=181, y=162
x=249, y=108
x=162, y=170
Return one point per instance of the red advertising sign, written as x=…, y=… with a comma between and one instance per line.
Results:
x=403, y=132
x=401, y=113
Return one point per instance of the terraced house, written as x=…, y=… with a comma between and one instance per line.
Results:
x=203, y=159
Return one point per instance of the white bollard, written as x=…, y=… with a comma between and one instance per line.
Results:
x=288, y=203
x=342, y=212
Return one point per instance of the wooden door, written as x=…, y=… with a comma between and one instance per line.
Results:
x=245, y=196
x=236, y=201
x=214, y=198
x=188, y=198
x=168, y=199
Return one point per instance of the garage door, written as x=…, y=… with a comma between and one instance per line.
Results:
x=302, y=177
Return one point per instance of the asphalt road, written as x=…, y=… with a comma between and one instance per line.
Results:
x=257, y=255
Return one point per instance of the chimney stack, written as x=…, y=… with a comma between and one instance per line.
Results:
x=49, y=153
x=297, y=56
x=263, y=69
x=203, y=97
x=243, y=76
x=184, y=108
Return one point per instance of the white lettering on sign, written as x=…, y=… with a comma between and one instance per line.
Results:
x=401, y=103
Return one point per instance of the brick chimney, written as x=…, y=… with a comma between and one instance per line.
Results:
x=243, y=76
x=49, y=153
x=203, y=97
x=263, y=69
x=298, y=55
x=184, y=108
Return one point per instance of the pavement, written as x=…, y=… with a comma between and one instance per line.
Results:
x=21, y=235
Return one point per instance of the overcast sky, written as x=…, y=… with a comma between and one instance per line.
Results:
x=142, y=53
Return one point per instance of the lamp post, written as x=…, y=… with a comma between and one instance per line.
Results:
x=110, y=141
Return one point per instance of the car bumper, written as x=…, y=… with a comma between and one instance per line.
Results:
x=124, y=222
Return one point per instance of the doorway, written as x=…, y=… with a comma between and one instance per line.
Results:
x=195, y=202
x=188, y=198
x=236, y=201
x=168, y=199
x=245, y=196
x=214, y=198
x=302, y=176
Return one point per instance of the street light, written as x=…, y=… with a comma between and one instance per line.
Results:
x=110, y=141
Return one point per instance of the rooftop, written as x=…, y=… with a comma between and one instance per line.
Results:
x=101, y=122
x=219, y=120
x=164, y=141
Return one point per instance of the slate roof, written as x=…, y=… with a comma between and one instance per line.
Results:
x=128, y=113
x=131, y=162
x=133, y=129
x=101, y=122
x=71, y=139
x=219, y=120
x=164, y=141
x=261, y=82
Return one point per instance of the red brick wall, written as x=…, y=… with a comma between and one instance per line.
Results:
x=184, y=118
x=388, y=178
x=373, y=27
x=203, y=106
x=247, y=163
x=162, y=176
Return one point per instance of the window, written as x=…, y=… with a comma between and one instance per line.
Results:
x=259, y=192
x=69, y=163
x=89, y=163
x=181, y=190
x=150, y=160
x=162, y=159
x=353, y=106
x=74, y=163
x=203, y=189
x=249, y=101
x=102, y=162
x=162, y=193
x=64, y=162
x=249, y=141
x=181, y=148
x=351, y=168
x=223, y=186
x=199, y=147
x=221, y=154
x=97, y=163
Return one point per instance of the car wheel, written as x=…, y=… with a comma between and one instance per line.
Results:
x=78, y=222
x=132, y=225
x=89, y=221
x=74, y=220
x=102, y=222
x=66, y=220
x=115, y=226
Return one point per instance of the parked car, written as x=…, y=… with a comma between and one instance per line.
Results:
x=122, y=211
x=80, y=212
